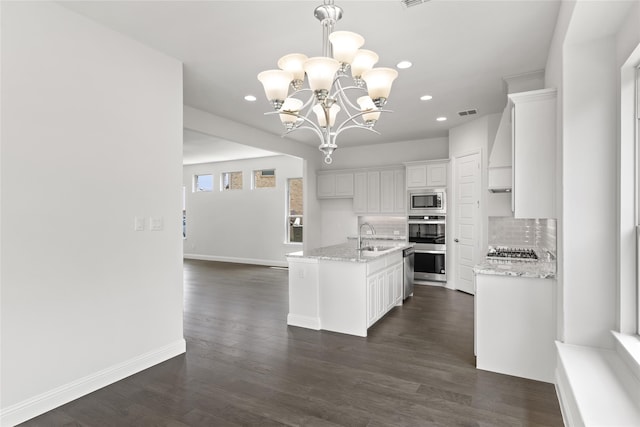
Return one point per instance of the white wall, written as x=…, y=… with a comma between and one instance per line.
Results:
x=210, y=124
x=584, y=64
x=91, y=138
x=247, y=225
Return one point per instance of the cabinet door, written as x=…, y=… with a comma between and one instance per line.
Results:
x=326, y=186
x=399, y=284
x=372, y=305
x=390, y=285
x=387, y=191
x=360, y=192
x=534, y=153
x=344, y=185
x=437, y=175
x=416, y=176
x=380, y=289
x=400, y=203
x=373, y=192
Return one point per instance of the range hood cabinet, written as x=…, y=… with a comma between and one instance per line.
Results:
x=500, y=160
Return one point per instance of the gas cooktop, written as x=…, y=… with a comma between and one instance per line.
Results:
x=511, y=254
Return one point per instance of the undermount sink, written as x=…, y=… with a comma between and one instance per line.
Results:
x=375, y=249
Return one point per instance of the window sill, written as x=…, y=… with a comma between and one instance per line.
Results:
x=628, y=348
x=293, y=243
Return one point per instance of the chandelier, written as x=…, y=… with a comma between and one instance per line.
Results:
x=343, y=68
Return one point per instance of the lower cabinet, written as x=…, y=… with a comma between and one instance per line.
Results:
x=384, y=290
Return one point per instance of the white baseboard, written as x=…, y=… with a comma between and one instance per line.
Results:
x=303, y=321
x=236, y=260
x=51, y=399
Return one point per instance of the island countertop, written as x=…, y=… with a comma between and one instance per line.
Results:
x=347, y=252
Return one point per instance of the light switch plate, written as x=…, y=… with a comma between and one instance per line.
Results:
x=138, y=223
x=155, y=223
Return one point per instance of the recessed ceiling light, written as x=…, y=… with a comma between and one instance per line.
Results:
x=404, y=64
x=250, y=98
x=441, y=119
x=426, y=98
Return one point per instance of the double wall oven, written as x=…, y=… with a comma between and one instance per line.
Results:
x=427, y=225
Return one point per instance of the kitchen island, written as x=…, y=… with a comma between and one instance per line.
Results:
x=342, y=289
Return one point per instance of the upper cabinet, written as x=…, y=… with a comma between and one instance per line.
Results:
x=333, y=185
x=379, y=191
x=534, y=153
x=427, y=174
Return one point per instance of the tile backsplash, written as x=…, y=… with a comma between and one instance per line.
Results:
x=385, y=225
x=540, y=233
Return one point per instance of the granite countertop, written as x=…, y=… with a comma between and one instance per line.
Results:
x=380, y=237
x=347, y=252
x=543, y=268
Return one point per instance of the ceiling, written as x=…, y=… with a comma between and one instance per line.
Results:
x=460, y=52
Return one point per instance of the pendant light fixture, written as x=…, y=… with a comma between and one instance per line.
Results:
x=343, y=67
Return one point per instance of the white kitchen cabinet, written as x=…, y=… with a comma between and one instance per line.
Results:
x=373, y=192
x=437, y=174
x=379, y=191
x=384, y=288
x=427, y=174
x=417, y=175
x=515, y=326
x=360, y=192
x=387, y=191
x=534, y=153
x=400, y=193
x=332, y=185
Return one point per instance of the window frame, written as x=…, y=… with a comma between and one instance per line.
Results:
x=254, y=179
x=289, y=217
x=230, y=174
x=195, y=188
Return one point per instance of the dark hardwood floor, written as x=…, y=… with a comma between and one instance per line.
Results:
x=244, y=366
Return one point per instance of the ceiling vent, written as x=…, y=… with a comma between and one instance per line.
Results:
x=410, y=3
x=470, y=112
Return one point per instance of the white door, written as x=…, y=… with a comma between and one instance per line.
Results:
x=467, y=221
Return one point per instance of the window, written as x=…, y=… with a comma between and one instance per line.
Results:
x=265, y=178
x=637, y=198
x=294, y=209
x=231, y=181
x=202, y=183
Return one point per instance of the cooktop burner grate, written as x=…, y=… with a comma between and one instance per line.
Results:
x=516, y=254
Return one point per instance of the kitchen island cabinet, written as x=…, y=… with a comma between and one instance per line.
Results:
x=341, y=289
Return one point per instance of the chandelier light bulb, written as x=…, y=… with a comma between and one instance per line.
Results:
x=364, y=60
x=379, y=81
x=294, y=63
x=366, y=104
x=321, y=72
x=293, y=106
x=319, y=109
x=345, y=45
x=276, y=85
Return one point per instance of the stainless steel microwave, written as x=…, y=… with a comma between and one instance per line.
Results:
x=426, y=202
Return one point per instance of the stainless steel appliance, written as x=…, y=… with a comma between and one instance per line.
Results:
x=428, y=232
x=409, y=260
x=427, y=201
x=503, y=253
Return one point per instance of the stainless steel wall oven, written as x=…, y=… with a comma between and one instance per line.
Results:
x=428, y=233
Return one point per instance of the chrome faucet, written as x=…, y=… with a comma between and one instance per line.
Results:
x=373, y=231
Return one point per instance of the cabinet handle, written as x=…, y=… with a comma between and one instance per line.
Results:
x=456, y=240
